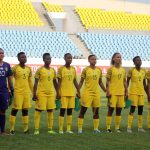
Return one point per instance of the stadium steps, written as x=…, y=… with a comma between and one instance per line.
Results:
x=42, y=13
x=74, y=24
x=80, y=45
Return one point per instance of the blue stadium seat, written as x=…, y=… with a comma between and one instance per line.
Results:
x=104, y=45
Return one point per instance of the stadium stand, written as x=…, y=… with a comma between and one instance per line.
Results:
x=53, y=8
x=104, y=45
x=35, y=43
x=97, y=18
x=18, y=12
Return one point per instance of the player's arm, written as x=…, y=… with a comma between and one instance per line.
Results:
x=56, y=87
x=102, y=85
x=59, y=83
x=10, y=85
x=145, y=87
x=35, y=89
x=148, y=89
x=108, y=77
x=77, y=87
x=30, y=80
x=107, y=88
x=126, y=88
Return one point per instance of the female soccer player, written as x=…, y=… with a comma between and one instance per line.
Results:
x=44, y=93
x=5, y=77
x=92, y=76
x=23, y=88
x=116, y=88
x=66, y=82
x=136, y=92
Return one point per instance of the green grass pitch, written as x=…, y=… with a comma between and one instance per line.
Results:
x=88, y=140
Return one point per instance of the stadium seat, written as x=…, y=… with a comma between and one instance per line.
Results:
x=18, y=12
x=36, y=43
x=97, y=18
x=104, y=45
x=53, y=8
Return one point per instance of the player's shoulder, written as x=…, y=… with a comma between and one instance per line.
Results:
x=143, y=70
x=39, y=69
x=97, y=68
x=6, y=63
x=110, y=69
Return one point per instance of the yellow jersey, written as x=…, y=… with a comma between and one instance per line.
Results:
x=148, y=74
x=91, y=77
x=137, y=78
x=117, y=77
x=67, y=77
x=45, y=81
x=22, y=81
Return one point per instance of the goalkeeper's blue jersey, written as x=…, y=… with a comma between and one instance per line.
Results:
x=5, y=71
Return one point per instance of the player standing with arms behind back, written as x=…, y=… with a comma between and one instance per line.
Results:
x=5, y=77
x=44, y=93
x=116, y=88
x=92, y=76
x=23, y=87
x=66, y=84
x=136, y=92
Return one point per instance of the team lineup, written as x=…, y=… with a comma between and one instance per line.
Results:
x=17, y=82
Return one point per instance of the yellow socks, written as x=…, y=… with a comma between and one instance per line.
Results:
x=108, y=122
x=80, y=123
x=50, y=120
x=61, y=123
x=96, y=123
x=140, y=121
x=12, y=121
x=69, y=122
x=117, y=122
x=25, y=120
x=37, y=116
x=130, y=120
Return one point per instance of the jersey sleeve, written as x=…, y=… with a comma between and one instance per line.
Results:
x=9, y=71
x=100, y=73
x=148, y=74
x=109, y=73
x=30, y=74
x=83, y=74
x=129, y=73
x=75, y=74
x=37, y=74
x=59, y=73
x=54, y=74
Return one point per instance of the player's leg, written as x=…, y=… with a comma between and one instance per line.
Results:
x=25, y=120
x=3, y=108
x=134, y=101
x=96, y=119
x=2, y=121
x=37, y=117
x=40, y=105
x=119, y=105
x=61, y=120
x=96, y=104
x=69, y=120
x=111, y=105
x=130, y=118
x=16, y=105
x=70, y=106
x=81, y=118
x=25, y=117
x=148, y=116
x=50, y=116
x=140, y=119
x=118, y=119
x=12, y=120
x=50, y=119
x=109, y=118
